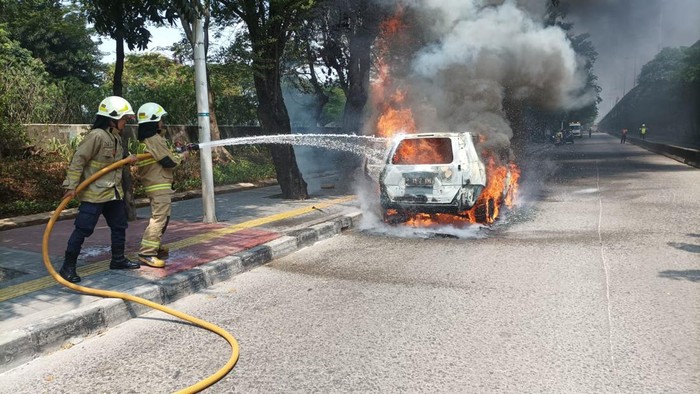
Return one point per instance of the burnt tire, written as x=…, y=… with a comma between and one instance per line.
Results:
x=485, y=212
x=396, y=218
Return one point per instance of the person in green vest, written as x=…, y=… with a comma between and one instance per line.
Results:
x=643, y=131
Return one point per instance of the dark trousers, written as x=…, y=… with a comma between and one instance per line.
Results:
x=88, y=213
x=623, y=139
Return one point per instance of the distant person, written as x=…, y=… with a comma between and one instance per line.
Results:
x=590, y=132
x=101, y=147
x=156, y=176
x=643, y=131
x=623, y=139
x=559, y=136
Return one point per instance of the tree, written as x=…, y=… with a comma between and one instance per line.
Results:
x=270, y=25
x=664, y=66
x=26, y=95
x=55, y=33
x=152, y=77
x=125, y=21
x=349, y=31
x=188, y=12
x=690, y=69
x=583, y=46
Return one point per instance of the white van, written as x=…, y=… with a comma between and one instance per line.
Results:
x=432, y=173
x=575, y=129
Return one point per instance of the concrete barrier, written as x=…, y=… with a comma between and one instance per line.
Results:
x=684, y=155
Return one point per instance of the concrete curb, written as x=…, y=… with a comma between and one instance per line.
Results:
x=61, y=332
x=70, y=213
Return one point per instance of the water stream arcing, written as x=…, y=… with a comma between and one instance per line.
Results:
x=371, y=148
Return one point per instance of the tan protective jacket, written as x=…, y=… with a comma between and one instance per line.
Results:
x=98, y=149
x=155, y=178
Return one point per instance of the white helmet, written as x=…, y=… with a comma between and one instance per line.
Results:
x=150, y=112
x=115, y=107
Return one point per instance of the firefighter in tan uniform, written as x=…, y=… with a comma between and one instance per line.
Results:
x=156, y=175
x=101, y=147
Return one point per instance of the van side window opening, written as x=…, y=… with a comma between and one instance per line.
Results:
x=415, y=151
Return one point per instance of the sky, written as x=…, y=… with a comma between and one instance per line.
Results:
x=629, y=33
x=162, y=37
x=626, y=34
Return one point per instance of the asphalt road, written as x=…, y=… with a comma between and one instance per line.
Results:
x=590, y=285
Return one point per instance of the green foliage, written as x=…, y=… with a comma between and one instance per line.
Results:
x=127, y=19
x=64, y=150
x=155, y=78
x=690, y=67
x=12, y=138
x=234, y=92
x=57, y=33
x=681, y=64
x=34, y=184
x=26, y=95
x=31, y=184
x=29, y=207
x=241, y=171
x=664, y=67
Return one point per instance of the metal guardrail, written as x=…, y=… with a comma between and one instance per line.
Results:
x=684, y=155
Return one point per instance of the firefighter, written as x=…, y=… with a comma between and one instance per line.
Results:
x=101, y=147
x=156, y=176
x=643, y=131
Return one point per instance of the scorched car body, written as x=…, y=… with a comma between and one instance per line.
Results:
x=432, y=173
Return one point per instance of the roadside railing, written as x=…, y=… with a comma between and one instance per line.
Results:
x=684, y=155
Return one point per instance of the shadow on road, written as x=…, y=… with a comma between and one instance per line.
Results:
x=691, y=275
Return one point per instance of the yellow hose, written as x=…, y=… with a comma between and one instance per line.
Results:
x=128, y=297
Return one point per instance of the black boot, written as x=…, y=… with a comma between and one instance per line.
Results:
x=122, y=263
x=67, y=270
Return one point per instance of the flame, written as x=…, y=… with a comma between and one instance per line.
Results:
x=393, y=121
x=396, y=117
x=498, y=176
x=421, y=151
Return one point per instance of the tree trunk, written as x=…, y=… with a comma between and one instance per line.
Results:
x=274, y=119
x=117, y=90
x=219, y=153
x=358, y=85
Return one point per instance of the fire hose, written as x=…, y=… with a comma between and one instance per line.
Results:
x=203, y=384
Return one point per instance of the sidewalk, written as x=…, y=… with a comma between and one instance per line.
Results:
x=254, y=226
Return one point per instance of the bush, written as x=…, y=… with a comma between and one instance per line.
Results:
x=13, y=139
x=34, y=184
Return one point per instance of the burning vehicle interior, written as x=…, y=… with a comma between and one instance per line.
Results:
x=441, y=178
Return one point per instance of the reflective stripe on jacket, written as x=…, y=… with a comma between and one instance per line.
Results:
x=98, y=149
x=155, y=178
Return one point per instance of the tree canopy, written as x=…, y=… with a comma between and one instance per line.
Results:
x=680, y=64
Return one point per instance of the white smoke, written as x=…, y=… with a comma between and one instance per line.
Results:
x=501, y=42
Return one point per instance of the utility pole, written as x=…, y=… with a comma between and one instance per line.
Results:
x=200, y=78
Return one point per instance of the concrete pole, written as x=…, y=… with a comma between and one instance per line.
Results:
x=200, y=78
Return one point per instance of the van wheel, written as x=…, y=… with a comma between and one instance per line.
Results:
x=484, y=212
